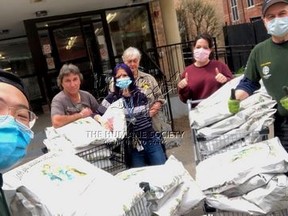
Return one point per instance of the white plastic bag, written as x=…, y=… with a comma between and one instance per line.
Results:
x=86, y=131
x=239, y=165
x=172, y=188
x=115, y=112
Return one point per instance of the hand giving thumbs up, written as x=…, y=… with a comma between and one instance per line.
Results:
x=184, y=82
x=220, y=77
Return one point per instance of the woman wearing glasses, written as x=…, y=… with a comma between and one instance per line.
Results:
x=148, y=85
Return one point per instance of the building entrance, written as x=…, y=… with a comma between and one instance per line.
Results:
x=74, y=41
x=94, y=41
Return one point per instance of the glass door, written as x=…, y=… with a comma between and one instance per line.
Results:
x=69, y=46
x=129, y=27
x=103, y=62
x=80, y=42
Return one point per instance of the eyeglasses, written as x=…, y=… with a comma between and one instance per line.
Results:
x=22, y=115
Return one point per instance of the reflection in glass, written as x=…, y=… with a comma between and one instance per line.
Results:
x=100, y=38
x=129, y=27
x=70, y=43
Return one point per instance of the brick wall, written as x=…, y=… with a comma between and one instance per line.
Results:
x=222, y=7
x=158, y=24
x=245, y=13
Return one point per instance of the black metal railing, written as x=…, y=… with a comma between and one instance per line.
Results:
x=149, y=65
x=166, y=63
x=172, y=59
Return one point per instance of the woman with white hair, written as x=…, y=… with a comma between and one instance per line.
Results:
x=144, y=146
x=148, y=85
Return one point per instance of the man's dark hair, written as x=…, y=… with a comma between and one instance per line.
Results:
x=14, y=80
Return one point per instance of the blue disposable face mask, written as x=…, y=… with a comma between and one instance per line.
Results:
x=123, y=83
x=14, y=140
x=278, y=26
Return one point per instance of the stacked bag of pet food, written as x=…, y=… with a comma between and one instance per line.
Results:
x=82, y=133
x=215, y=128
x=239, y=169
x=169, y=188
x=249, y=179
x=68, y=185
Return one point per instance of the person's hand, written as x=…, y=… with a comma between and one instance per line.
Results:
x=106, y=123
x=26, y=202
x=184, y=82
x=233, y=103
x=284, y=100
x=86, y=112
x=155, y=108
x=220, y=77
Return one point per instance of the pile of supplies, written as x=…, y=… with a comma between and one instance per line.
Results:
x=250, y=179
x=217, y=128
x=169, y=188
x=87, y=131
x=68, y=185
x=239, y=169
x=65, y=184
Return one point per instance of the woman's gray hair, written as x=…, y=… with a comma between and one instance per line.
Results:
x=131, y=53
x=66, y=70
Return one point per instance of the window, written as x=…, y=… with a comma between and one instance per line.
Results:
x=250, y=3
x=255, y=19
x=129, y=27
x=15, y=56
x=234, y=8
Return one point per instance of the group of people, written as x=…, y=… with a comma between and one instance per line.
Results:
x=267, y=62
x=142, y=101
x=142, y=97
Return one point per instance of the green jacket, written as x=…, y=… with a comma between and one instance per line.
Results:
x=268, y=61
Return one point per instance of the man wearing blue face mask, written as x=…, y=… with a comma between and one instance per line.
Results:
x=16, y=121
x=268, y=61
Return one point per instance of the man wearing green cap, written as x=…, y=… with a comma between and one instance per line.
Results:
x=268, y=61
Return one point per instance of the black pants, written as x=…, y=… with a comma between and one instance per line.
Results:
x=281, y=130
